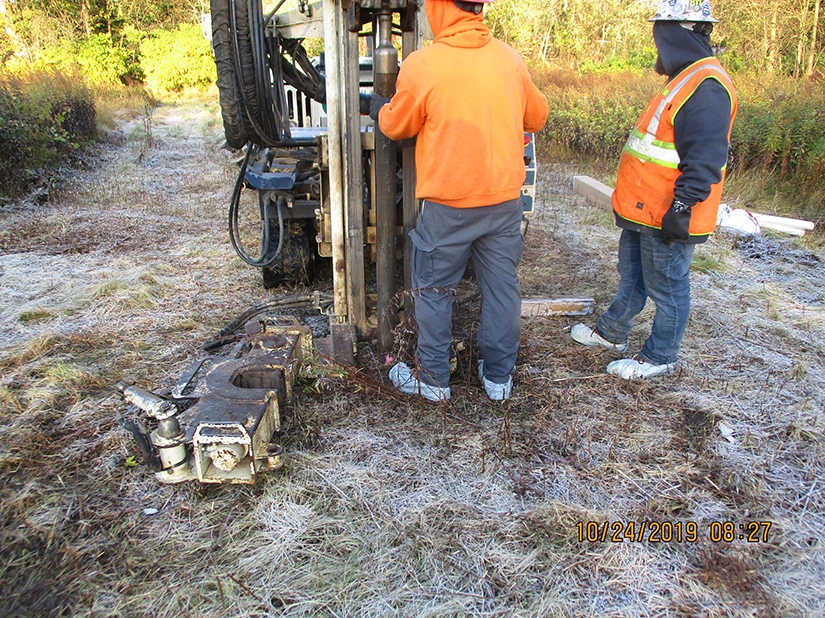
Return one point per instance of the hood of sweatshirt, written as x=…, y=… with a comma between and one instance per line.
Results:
x=678, y=47
x=455, y=27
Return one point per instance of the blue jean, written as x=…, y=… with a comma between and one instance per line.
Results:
x=652, y=269
x=444, y=240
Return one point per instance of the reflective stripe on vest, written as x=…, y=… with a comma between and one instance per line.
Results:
x=645, y=146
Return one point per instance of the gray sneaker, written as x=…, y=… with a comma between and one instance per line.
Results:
x=404, y=380
x=588, y=336
x=637, y=367
x=496, y=392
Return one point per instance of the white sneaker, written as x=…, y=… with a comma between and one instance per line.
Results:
x=404, y=380
x=589, y=337
x=496, y=392
x=637, y=367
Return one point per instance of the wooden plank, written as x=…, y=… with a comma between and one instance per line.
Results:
x=593, y=191
x=548, y=307
x=371, y=233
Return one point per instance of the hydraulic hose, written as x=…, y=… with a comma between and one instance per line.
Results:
x=260, y=71
x=234, y=233
x=143, y=441
x=298, y=300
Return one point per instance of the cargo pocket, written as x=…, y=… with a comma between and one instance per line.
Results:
x=422, y=261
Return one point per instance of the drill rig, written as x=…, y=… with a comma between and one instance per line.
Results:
x=330, y=185
x=327, y=184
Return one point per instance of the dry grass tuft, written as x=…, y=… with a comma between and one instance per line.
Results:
x=736, y=573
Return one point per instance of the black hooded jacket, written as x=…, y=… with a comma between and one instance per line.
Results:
x=701, y=126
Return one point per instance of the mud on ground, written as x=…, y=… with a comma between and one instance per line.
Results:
x=389, y=506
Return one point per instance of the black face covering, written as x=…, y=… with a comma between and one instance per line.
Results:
x=678, y=47
x=659, y=67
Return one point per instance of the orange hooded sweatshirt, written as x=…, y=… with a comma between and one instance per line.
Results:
x=469, y=98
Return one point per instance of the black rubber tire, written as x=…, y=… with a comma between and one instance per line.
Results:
x=296, y=264
x=247, y=81
x=233, y=126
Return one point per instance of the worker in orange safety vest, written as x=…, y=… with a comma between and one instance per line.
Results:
x=668, y=190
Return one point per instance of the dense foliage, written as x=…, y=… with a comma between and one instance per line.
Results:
x=592, y=113
x=44, y=116
x=176, y=59
x=577, y=33
x=783, y=37
x=100, y=58
x=778, y=38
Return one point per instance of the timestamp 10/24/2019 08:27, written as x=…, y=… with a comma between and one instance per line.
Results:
x=673, y=531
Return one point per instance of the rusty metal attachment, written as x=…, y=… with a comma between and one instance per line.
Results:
x=219, y=422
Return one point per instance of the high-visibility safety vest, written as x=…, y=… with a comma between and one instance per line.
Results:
x=649, y=165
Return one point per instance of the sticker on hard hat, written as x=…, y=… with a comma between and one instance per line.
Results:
x=683, y=10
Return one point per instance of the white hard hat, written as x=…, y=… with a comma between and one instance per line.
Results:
x=683, y=10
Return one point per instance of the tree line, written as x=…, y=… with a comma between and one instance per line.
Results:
x=783, y=37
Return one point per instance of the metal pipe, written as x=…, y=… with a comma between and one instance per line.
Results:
x=385, y=66
x=154, y=405
x=168, y=438
x=410, y=41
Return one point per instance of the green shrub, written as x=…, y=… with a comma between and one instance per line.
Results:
x=103, y=60
x=7, y=46
x=781, y=128
x=592, y=113
x=573, y=31
x=176, y=59
x=44, y=117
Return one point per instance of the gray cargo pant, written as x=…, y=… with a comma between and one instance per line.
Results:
x=443, y=240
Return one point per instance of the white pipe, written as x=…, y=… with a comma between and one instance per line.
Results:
x=785, y=229
x=764, y=220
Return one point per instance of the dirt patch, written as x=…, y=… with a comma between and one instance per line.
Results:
x=800, y=271
x=389, y=506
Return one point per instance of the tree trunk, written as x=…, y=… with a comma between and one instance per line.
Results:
x=772, y=42
x=21, y=49
x=812, y=55
x=802, y=39
x=84, y=17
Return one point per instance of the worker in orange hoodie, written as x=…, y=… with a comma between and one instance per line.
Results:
x=469, y=98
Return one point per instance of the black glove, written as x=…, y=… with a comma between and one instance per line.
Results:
x=376, y=103
x=364, y=102
x=676, y=222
